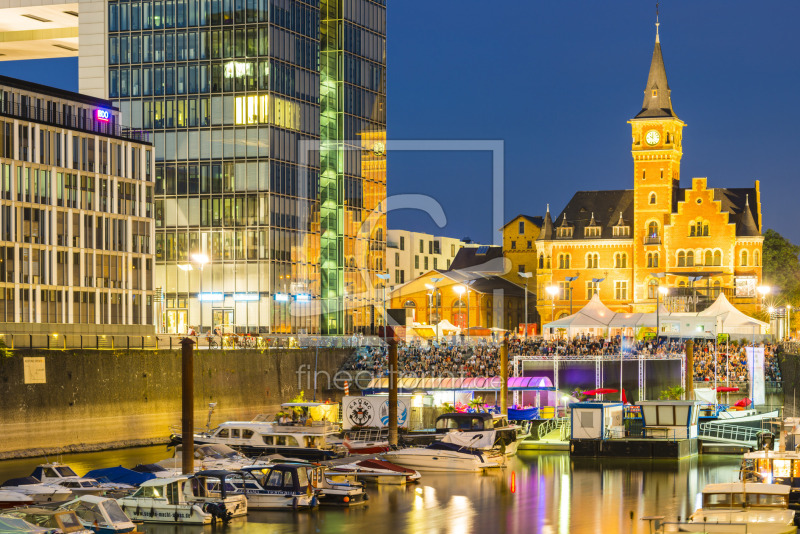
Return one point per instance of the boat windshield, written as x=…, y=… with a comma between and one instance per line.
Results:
x=461, y=423
x=302, y=478
x=114, y=512
x=65, y=471
x=722, y=500
x=768, y=500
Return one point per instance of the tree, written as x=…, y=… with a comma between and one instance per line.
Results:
x=782, y=270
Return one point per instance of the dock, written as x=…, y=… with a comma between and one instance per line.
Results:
x=634, y=448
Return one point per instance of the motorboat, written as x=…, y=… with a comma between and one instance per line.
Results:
x=754, y=507
x=345, y=493
x=39, y=492
x=100, y=514
x=13, y=499
x=65, y=521
x=440, y=456
x=367, y=441
x=63, y=475
x=777, y=467
x=377, y=471
x=487, y=432
x=157, y=470
x=276, y=487
x=259, y=438
x=17, y=525
x=181, y=500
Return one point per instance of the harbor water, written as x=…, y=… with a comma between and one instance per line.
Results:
x=536, y=493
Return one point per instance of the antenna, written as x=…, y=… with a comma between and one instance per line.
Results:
x=657, y=23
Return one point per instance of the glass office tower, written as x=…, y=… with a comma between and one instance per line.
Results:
x=268, y=121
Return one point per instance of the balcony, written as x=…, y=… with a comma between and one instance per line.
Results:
x=652, y=240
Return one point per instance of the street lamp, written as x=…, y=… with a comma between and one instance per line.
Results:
x=763, y=291
x=552, y=291
x=385, y=278
x=525, y=276
x=569, y=280
x=201, y=260
x=186, y=267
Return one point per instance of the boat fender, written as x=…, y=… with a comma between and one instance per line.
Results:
x=346, y=499
x=152, y=512
x=366, y=496
x=314, y=501
x=175, y=515
x=295, y=503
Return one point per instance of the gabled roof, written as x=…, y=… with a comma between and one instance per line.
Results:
x=535, y=220
x=547, y=227
x=605, y=206
x=657, y=102
x=483, y=258
x=741, y=203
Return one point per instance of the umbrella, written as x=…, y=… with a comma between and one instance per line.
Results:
x=600, y=391
x=726, y=389
x=744, y=403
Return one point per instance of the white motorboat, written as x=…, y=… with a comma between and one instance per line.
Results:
x=484, y=431
x=17, y=525
x=754, y=507
x=63, y=521
x=13, y=499
x=277, y=487
x=101, y=514
x=63, y=475
x=373, y=470
x=439, y=456
x=181, y=500
x=39, y=492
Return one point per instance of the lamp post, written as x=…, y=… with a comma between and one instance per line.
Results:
x=186, y=267
x=433, y=289
x=460, y=292
x=569, y=280
x=201, y=260
x=385, y=278
x=552, y=291
x=789, y=321
x=661, y=291
x=763, y=291
x=526, y=276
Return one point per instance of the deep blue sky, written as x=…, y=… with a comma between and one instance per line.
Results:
x=557, y=81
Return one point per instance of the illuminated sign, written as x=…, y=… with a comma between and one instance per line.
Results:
x=302, y=297
x=212, y=297
x=245, y=296
x=281, y=297
x=102, y=115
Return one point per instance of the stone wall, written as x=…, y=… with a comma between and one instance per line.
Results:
x=104, y=399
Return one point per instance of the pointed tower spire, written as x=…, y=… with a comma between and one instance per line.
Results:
x=747, y=224
x=592, y=223
x=547, y=227
x=657, y=101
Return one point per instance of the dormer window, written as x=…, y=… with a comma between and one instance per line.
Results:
x=591, y=231
x=655, y=92
x=621, y=229
x=564, y=231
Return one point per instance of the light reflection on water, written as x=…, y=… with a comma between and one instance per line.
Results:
x=550, y=493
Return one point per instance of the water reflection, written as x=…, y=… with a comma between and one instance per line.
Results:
x=547, y=493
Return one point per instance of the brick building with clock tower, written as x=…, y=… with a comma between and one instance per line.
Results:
x=695, y=242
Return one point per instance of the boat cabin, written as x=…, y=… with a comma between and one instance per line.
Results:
x=772, y=466
x=289, y=479
x=53, y=472
x=103, y=512
x=470, y=422
x=597, y=420
x=737, y=495
x=65, y=521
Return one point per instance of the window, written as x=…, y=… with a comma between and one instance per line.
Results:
x=563, y=261
x=744, y=259
x=592, y=260
x=717, y=258
x=620, y=260
x=621, y=290
x=681, y=258
x=521, y=227
x=564, y=290
x=402, y=243
x=426, y=263
x=435, y=263
x=396, y=259
x=421, y=247
x=652, y=198
x=591, y=231
x=690, y=259
x=513, y=245
x=652, y=229
x=698, y=228
x=541, y=261
x=756, y=258
x=530, y=244
x=452, y=249
x=409, y=304
x=652, y=259
x=652, y=289
x=430, y=247
x=592, y=289
x=717, y=288
x=548, y=263
x=416, y=261
x=622, y=231
x=521, y=268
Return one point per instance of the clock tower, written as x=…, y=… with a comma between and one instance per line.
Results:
x=657, y=135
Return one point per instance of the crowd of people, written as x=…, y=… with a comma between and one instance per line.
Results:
x=434, y=359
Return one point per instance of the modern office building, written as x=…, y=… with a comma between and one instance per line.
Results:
x=268, y=123
x=76, y=215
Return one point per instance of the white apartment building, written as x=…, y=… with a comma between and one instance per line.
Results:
x=411, y=254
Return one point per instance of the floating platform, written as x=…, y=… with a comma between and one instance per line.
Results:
x=543, y=445
x=633, y=448
x=710, y=447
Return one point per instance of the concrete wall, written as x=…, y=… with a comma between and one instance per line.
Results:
x=102, y=399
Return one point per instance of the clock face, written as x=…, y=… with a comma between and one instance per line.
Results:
x=652, y=137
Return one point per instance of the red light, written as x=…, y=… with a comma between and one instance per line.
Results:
x=513, y=482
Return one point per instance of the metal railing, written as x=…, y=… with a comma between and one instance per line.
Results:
x=551, y=425
x=728, y=432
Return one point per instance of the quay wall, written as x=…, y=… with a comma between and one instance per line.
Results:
x=101, y=399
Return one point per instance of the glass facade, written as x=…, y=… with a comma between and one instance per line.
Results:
x=238, y=95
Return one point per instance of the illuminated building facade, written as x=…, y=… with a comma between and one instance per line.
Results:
x=268, y=121
x=693, y=243
x=76, y=208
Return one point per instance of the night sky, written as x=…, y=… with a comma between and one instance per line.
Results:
x=557, y=81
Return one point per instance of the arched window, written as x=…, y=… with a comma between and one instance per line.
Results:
x=409, y=304
x=744, y=258
x=541, y=261
x=592, y=260
x=548, y=262
x=563, y=261
x=681, y=284
x=649, y=259
x=655, y=259
x=690, y=259
x=756, y=258
x=709, y=258
x=620, y=260
x=652, y=289
x=652, y=229
x=652, y=198
x=681, y=259
x=717, y=288
x=717, y=258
